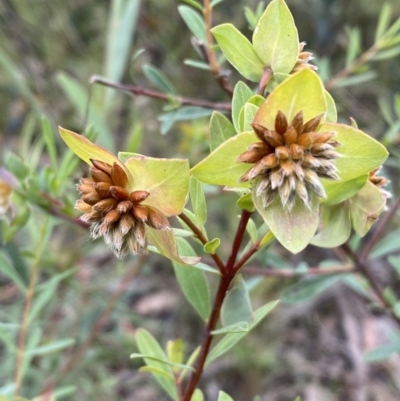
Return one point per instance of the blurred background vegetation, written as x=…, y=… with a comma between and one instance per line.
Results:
x=87, y=305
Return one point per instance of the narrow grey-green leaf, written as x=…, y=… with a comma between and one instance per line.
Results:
x=158, y=79
x=149, y=346
x=194, y=22
x=239, y=51
x=249, y=111
x=237, y=306
x=7, y=268
x=48, y=136
x=193, y=282
x=221, y=129
x=52, y=347
x=229, y=340
x=162, y=361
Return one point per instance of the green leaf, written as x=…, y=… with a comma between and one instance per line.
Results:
x=229, y=340
x=211, y=246
x=302, y=91
x=241, y=95
x=395, y=262
x=356, y=79
x=206, y=268
x=220, y=130
x=156, y=372
x=365, y=207
x=221, y=167
x=197, y=64
x=237, y=306
x=360, y=153
x=158, y=79
x=335, y=226
x=148, y=346
x=239, y=51
x=275, y=38
x=194, y=22
x=193, y=283
x=354, y=45
x=175, y=351
x=384, y=20
x=17, y=166
x=338, y=191
x=197, y=395
x=387, y=245
x=7, y=268
x=161, y=360
x=48, y=137
x=194, y=4
x=198, y=201
x=52, y=347
x=224, y=397
x=382, y=352
x=308, y=289
x=293, y=229
x=122, y=23
x=167, y=180
x=239, y=327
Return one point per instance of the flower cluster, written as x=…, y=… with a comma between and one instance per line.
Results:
x=290, y=160
x=115, y=213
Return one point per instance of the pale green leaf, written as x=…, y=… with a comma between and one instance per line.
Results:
x=384, y=20
x=162, y=361
x=239, y=51
x=365, y=207
x=249, y=112
x=175, y=351
x=360, y=153
x=48, y=136
x=229, y=340
x=331, y=112
x=8, y=269
x=198, y=201
x=239, y=327
x=241, y=95
x=387, y=245
x=52, y=347
x=293, y=229
x=245, y=202
x=302, y=91
x=197, y=395
x=224, y=397
x=221, y=167
x=335, y=226
x=148, y=346
x=237, y=306
x=156, y=372
x=220, y=130
x=275, y=38
x=193, y=283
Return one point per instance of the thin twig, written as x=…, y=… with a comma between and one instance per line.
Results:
x=212, y=60
x=102, y=320
x=30, y=292
x=141, y=91
x=200, y=236
x=264, y=81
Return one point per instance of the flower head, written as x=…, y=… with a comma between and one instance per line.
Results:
x=379, y=182
x=303, y=60
x=116, y=213
x=290, y=160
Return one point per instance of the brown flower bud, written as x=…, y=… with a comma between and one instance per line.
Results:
x=119, y=193
x=105, y=205
x=282, y=152
x=112, y=216
x=100, y=176
x=140, y=213
x=312, y=124
x=102, y=188
x=105, y=167
x=138, y=196
x=250, y=156
x=281, y=123
x=82, y=206
x=290, y=135
x=296, y=151
x=124, y=206
x=84, y=188
x=297, y=122
x=304, y=140
x=119, y=176
x=91, y=198
x=126, y=223
x=157, y=220
x=270, y=161
x=273, y=138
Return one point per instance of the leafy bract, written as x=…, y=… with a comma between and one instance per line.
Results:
x=338, y=191
x=360, y=153
x=239, y=51
x=198, y=201
x=87, y=150
x=165, y=242
x=167, y=180
x=335, y=226
x=294, y=228
x=302, y=91
x=365, y=207
x=221, y=167
x=275, y=38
